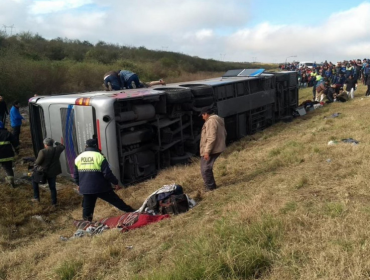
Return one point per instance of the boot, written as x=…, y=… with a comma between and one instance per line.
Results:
x=10, y=181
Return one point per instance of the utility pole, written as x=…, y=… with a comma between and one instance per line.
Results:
x=11, y=29
x=8, y=26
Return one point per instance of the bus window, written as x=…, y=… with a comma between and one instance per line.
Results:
x=38, y=130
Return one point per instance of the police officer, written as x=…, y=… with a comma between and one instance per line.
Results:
x=94, y=178
x=7, y=144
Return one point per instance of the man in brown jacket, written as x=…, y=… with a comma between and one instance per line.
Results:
x=212, y=144
x=48, y=160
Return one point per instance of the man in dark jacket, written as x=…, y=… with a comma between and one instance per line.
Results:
x=48, y=160
x=3, y=110
x=94, y=178
x=7, y=144
x=111, y=81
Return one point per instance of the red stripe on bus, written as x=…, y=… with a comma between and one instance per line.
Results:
x=98, y=131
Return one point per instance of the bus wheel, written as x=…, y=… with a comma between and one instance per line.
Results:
x=203, y=101
x=178, y=96
x=200, y=90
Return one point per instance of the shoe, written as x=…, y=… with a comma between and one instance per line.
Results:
x=209, y=190
x=35, y=200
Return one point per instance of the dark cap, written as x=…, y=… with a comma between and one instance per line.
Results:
x=92, y=143
x=206, y=110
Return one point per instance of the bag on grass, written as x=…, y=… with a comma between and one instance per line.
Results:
x=175, y=204
x=39, y=176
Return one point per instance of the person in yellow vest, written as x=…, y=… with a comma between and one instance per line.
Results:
x=313, y=80
x=94, y=179
x=7, y=144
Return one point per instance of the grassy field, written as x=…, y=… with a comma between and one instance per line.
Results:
x=289, y=206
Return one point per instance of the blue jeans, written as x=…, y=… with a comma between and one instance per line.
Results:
x=52, y=187
x=134, y=78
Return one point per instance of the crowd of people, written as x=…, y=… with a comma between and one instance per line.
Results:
x=335, y=82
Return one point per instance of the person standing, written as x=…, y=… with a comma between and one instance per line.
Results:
x=3, y=110
x=212, y=144
x=94, y=177
x=351, y=86
x=48, y=160
x=7, y=147
x=16, y=121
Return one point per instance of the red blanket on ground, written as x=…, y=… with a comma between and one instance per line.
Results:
x=125, y=222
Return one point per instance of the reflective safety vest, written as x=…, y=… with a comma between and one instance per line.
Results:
x=89, y=161
x=6, y=145
x=92, y=173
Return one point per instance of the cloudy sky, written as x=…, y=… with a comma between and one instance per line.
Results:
x=229, y=30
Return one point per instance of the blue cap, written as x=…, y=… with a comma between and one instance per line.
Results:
x=1, y=125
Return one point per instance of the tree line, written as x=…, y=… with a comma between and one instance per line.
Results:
x=31, y=64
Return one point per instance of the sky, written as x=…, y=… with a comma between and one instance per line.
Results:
x=272, y=31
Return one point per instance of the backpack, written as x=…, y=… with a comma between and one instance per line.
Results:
x=175, y=204
x=153, y=202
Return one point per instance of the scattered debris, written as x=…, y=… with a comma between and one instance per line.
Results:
x=335, y=115
x=328, y=160
x=332, y=142
x=351, y=141
x=39, y=218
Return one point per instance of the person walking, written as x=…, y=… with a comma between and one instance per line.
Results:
x=3, y=110
x=48, y=160
x=7, y=147
x=212, y=144
x=16, y=121
x=94, y=177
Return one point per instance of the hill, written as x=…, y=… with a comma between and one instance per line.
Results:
x=288, y=207
x=32, y=65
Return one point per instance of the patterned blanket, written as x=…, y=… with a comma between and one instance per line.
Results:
x=125, y=222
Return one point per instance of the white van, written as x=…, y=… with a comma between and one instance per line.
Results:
x=308, y=64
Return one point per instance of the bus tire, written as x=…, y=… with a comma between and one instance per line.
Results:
x=202, y=91
x=199, y=90
x=203, y=101
x=177, y=95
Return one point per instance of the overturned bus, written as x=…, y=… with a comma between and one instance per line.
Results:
x=141, y=131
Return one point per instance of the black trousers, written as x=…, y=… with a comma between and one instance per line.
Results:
x=8, y=167
x=16, y=133
x=89, y=201
x=206, y=168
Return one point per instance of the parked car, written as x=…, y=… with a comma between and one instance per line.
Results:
x=308, y=64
